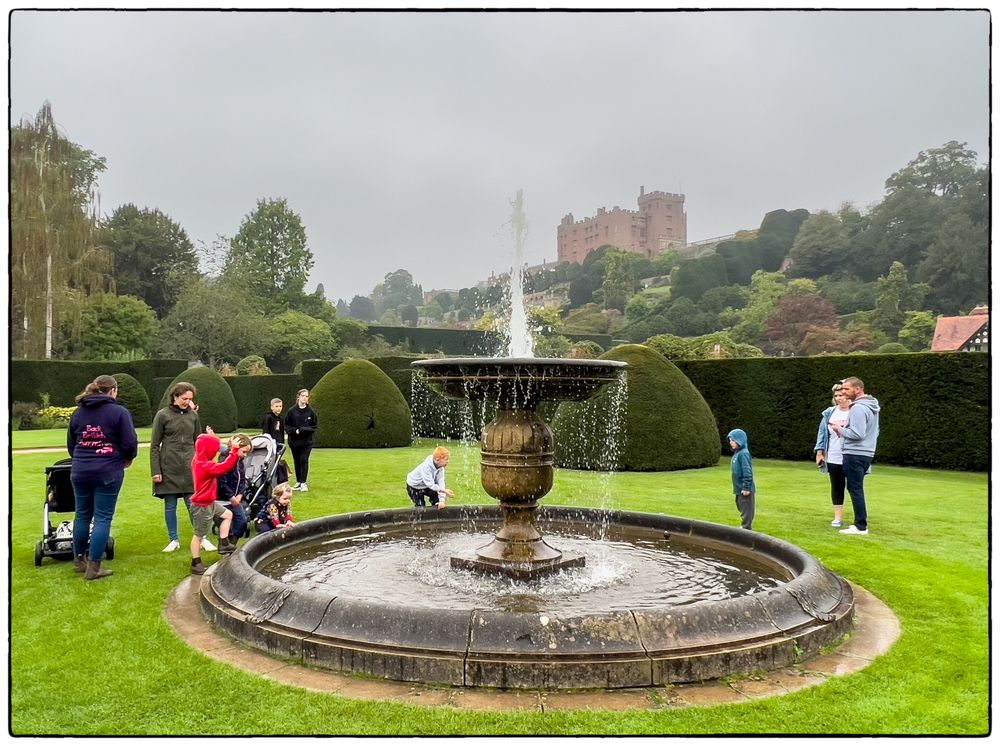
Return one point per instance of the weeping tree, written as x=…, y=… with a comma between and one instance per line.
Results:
x=53, y=213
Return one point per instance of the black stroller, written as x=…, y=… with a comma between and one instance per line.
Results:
x=265, y=470
x=57, y=541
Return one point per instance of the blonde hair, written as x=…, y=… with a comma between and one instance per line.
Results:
x=276, y=400
x=836, y=389
x=242, y=440
x=281, y=489
x=441, y=452
x=300, y=392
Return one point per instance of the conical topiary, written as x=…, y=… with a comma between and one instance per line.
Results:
x=216, y=403
x=665, y=423
x=359, y=406
x=134, y=398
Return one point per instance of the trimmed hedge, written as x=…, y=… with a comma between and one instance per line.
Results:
x=665, y=422
x=313, y=370
x=253, y=395
x=935, y=406
x=134, y=398
x=359, y=406
x=216, y=404
x=459, y=342
x=62, y=380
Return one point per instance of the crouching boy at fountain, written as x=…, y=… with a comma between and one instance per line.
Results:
x=204, y=508
x=743, y=485
x=427, y=480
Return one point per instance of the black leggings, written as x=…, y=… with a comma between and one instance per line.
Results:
x=300, y=457
x=837, y=482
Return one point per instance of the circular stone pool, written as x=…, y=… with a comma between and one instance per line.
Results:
x=661, y=599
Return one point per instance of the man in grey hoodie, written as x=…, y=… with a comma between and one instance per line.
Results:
x=860, y=435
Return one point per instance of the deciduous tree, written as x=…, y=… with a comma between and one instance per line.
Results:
x=110, y=327
x=212, y=322
x=153, y=255
x=957, y=266
x=797, y=314
x=820, y=246
x=269, y=251
x=52, y=216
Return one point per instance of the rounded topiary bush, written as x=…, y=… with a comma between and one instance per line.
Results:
x=360, y=407
x=665, y=423
x=216, y=403
x=134, y=398
x=252, y=365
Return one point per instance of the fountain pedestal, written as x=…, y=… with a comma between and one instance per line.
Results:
x=518, y=448
x=517, y=470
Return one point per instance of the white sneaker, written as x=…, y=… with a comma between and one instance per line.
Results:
x=303, y=487
x=852, y=529
x=173, y=546
x=207, y=545
x=835, y=522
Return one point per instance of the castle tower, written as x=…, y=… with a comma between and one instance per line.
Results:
x=659, y=223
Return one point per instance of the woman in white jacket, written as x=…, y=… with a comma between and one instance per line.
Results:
x=829, y=450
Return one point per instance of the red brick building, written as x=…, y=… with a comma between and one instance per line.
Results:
x=658, y=224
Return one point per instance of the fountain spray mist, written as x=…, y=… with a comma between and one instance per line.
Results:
x=520, y=342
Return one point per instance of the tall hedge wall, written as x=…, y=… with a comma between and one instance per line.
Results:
x=62, y=380
x=935, y=406
x=254, y=393
x=458, y=342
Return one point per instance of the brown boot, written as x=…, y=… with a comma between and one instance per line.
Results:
x=80, y=563
x=196, y=567
x=94, y=571
x=226, y=546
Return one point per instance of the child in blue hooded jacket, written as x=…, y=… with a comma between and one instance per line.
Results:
x=743, y=485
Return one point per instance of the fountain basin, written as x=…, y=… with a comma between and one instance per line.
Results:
x=521, y=382
x=473, y=645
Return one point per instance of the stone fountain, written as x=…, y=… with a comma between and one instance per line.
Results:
x=518, y=447
x=377, y=613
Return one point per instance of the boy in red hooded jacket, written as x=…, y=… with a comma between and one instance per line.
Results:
x=204, y=508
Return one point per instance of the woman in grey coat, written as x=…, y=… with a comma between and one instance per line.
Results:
x=171, y=449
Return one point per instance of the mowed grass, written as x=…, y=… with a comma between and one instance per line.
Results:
x=99, y=658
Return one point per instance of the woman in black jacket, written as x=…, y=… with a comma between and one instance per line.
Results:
x=300, y=425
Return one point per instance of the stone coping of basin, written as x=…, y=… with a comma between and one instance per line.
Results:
x=876, y=629
x=472, y=646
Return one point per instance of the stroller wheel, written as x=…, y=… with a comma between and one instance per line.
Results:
x=109, y=550
x=39, y=553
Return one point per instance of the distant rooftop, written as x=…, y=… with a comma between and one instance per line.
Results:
x=954, y=332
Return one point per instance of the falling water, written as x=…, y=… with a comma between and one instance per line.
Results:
x=521, y=344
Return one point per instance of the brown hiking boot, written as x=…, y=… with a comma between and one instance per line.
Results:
x=197, y=568
x=94, y=571
x=226, y=546
x=80, y=563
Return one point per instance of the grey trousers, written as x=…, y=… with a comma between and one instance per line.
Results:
x=747, y=505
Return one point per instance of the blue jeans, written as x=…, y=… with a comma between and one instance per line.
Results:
x=855, y=467
x=170, y=512
x=238, y=528
x=94, y=499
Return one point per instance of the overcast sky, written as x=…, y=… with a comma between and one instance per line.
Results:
x=401, y=138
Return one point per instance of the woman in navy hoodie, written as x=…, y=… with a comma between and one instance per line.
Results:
x=102, y=442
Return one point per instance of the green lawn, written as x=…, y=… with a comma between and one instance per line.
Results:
x=99, y=658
